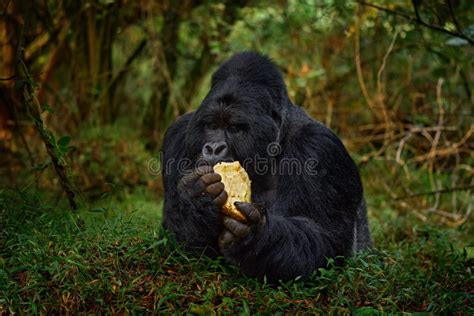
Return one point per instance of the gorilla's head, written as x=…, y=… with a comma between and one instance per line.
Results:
x=243, y=113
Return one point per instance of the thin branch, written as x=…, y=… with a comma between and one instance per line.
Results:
x=384, y=61
x=127, y=64
x=33, y=109
x=417, y=20
x=5, y=7
x=446, y=151
x=455, y=20
x=440, y=191
x=417, y=13
x=114, y=82
x=8, y=78
x=360, y=76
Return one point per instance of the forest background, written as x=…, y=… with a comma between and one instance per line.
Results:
x=88, y=88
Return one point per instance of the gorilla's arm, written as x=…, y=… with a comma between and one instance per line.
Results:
x=286, y=248
x=312, y=219
x=192, y=197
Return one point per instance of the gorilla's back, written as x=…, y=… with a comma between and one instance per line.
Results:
x=362, y=238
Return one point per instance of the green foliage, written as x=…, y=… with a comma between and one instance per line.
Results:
x=109, y=108
x=49, y=263
x=111, y=156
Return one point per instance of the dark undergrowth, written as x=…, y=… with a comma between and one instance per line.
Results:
x=114, y=259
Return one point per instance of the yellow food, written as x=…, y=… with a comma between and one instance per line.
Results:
x=237, y=185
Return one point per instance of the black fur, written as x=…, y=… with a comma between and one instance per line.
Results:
x=309, y=216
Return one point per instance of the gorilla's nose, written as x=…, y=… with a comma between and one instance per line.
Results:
x=215, y=151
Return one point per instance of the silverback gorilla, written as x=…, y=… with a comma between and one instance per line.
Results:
x=307, y=197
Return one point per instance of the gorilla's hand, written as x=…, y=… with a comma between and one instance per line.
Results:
x=235, y=231
x=203, y=182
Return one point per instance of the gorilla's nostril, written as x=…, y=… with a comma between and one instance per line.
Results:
x=208, y=149
x=220, y=149
x=215, y=150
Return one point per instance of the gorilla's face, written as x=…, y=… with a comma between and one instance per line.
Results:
x=233, y=124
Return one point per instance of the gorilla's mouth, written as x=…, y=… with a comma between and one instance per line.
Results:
x=212, y=161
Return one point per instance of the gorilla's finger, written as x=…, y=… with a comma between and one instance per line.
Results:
x=215, y=189
x=220, y=199
x=210, y=178
x=250, y=210
x=190, y=177
x=202, y=170
x=225, y=239
x=199, y=187
x=238, y=229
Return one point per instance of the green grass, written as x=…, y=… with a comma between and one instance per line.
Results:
x=113, y=258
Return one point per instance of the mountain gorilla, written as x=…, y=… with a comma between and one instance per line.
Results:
x=307, y=198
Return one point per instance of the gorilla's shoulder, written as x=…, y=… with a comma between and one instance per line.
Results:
x=309, y=137
x=176, y=133
x=302, y=126
x=310, y=140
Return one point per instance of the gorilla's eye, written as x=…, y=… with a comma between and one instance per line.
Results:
x=212, y=126
x=236, y=128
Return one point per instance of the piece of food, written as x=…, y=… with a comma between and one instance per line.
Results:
x=237, y=185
